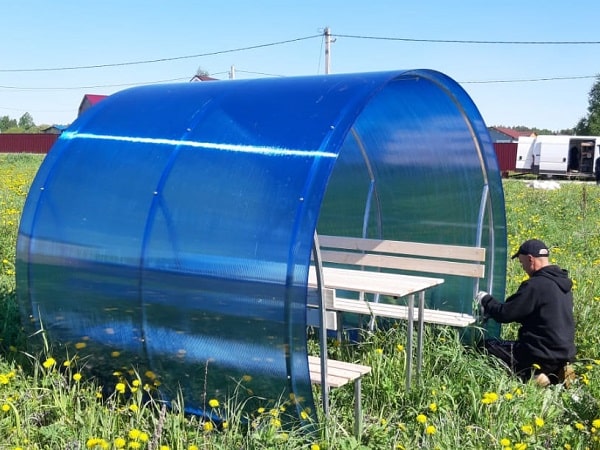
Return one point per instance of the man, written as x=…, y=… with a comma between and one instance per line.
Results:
x=543, y=305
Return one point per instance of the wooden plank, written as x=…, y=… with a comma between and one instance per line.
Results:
x=442, y=251
x=339, y=373
x=475, y=270
x=375, y=282
x=400, y=312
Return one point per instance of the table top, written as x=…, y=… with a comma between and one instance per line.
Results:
x=374, y=282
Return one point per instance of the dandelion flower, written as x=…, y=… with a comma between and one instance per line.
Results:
x=430, y=430
x=6, y=407
x=489, y=398
x=208, y=427
x=49, y=363
x=119, y=442
x=579, y=426
x=77, y=376
x=539, y=422
x=213, y=403
x=433, y=407
x=134, y=433
x=421, y=418
x=315, y=447
x=596, y=423
x=527, y=429
x=505, y=442
x=520, y=446
x=120, y=388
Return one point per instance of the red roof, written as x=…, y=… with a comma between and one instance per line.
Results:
x=94, y=98
x=88, y=101
x=514, y=134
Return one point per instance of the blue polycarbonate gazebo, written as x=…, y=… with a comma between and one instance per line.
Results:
x=170, y=227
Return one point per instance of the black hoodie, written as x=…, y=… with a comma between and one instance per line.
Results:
x=543, y=305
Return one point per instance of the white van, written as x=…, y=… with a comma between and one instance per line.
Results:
x=566, y=156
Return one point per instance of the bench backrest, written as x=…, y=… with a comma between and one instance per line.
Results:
x=402, y=255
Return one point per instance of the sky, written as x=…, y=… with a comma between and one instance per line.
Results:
x=529, y=63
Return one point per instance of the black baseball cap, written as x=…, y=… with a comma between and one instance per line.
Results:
x=533, y=247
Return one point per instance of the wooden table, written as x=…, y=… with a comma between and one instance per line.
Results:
x=382, y=283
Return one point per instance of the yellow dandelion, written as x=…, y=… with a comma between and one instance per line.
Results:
x=134, y=445
x=379, y=351
x=80, y=345
x=67, y=363
x=115, y=354
x=536, y=366
x=539, y=422
x=76, y=376
x=120, y=388
x=315, y=447
x=400, y=347
x=134, y=434
x=304, y=415
x=579, y=426
x=144, y=436
x=520, y=446
x=489, y=398
x=49, y=363
x=193, y=447
x=5, y=407
x=276, y=423
x=433, y=407
x=596, y=423
x=164, y=447
x=119, y=442
x=133, y=408
x=261, y=410
x=208, y=427
x=225, y=425
x=213, y=403
x=508, y=396
x=421, y=418
x=505, y=442
x=247, y=378
x=527, y=429
x=430, y=430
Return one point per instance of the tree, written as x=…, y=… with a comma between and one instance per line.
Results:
x=7, y=123
x=590, y=124
x=26, y=121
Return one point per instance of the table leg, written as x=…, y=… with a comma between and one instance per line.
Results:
x=420, y=332
x=409, y=339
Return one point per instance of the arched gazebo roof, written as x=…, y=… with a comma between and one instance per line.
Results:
x=171, y=226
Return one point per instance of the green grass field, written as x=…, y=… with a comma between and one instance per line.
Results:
x=463, y=400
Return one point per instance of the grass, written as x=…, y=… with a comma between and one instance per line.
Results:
x=462, y=399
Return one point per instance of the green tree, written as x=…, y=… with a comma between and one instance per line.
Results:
x=590, y=124
x=7, y=123
x=26, y=121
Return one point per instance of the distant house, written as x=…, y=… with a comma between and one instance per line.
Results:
x=202, y=78
x=54, y=129
x=501, y=134
x=88, y=101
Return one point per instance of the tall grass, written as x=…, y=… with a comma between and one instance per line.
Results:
x=461, y=399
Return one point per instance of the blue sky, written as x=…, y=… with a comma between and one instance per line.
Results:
x=40, y=35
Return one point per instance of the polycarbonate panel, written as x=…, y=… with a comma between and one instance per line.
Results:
x=170, y=227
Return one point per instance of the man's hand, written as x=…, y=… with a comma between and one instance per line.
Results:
x=481, y=300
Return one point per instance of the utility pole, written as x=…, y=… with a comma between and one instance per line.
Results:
x=232, y=72
x=327, y=51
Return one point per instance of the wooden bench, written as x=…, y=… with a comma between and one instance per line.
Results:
x=356, y=264
x=339, y=374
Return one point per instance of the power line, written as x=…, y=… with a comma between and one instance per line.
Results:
x=70, y=88
x=152, y=61
x=530, y=80
x=457, y=41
